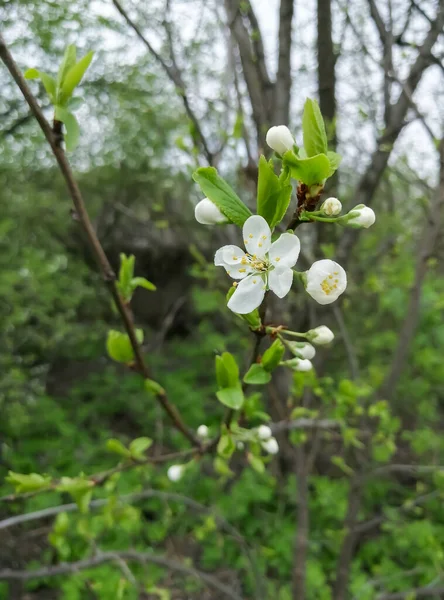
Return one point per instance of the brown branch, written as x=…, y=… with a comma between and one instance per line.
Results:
x=130, y=555
x=422, y=592
x=175, y=76
x=282, y=88
x=369, y=182
x=96, y=248
x=427, y=243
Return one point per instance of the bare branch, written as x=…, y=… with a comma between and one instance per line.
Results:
x=422, y=592
x=96, y=247
x=175, y=77
x=130, y=555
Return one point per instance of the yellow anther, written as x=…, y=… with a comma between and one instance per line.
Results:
x=335, y=272
x=277, y=259
x=328, y=287
x=330, y=276
x=260, y=245
x=264, y=237
x=235, y=284
x=251, y=236
x=244, y=261
x=242, y=270
x=235, y=258
x=245, y=241
x=254, y=281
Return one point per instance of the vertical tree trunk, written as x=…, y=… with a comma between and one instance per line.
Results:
x=326, y=69
x=282, y=91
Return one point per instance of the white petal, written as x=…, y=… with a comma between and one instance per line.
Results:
x=284, y=252
x=207, y=213
x=248, y=295
x=279, y=138
x=234, y=271
x=233, y=255
x=326, y=281
x=257, y=236
x=280, y=280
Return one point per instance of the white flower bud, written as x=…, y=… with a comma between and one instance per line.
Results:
x=240, y=445
x=271, y=446
x=331, y=207
x=207, y=213
x=264, y=432
x=202, y=431
x=306, y=351
x=303, y=364
x=175, y=472
x=361, y=216
x=321, y=335
x=280, y=139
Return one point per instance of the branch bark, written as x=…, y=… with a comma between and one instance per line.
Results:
x=326, y=68
x=282, y=89
x=95, y=245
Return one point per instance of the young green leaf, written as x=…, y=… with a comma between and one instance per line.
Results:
x=116, y=446
x=311, y=171
x=32, y=482
x=71, y=126
x=48, y=82
x=257, y=375
x=154, y=387
x=313, y=129
x=335, y=160
x=74, y=76
x=231, y=397
x=273, y=195
x=273, y=355
x=68, y=61
x=222, y=195
x=226, y=446
x=139, y=446
x=256, y=463
x=227, y=371
x=119, y=347
x=143, y=283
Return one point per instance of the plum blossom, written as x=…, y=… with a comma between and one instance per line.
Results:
x=331, y=207
x=326, y=281
x=321, y=335
x=271, y=446
x=175, y=472
x=202, y=432
x=361, y=216
x=264, y=266
x=264, y=432
x=207, y=213
x=302, y=349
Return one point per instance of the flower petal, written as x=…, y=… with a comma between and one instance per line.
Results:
x=248, y=295
x=257, y=236
x=280, y=280
x=233, y=255
x=284, y=252
x=238, y=271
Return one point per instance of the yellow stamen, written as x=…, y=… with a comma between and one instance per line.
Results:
x=277, y=259
x=235, y=258
x=235, y=284
x=328, y=287
x=254, y=281
x=260, y=245
x=251, y=236
x=264, y=237
x=242, y=270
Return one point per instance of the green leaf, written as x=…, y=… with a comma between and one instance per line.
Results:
x=227, y=371
x=82, y=499
x=224, y=197
x=74, y=485
x=273, y=196
x=61, y=524
x=116, y=446
x=256, y=463
x=75, y=103
x=74, y=76
x=68, y=61
x=313, y=129
x=144, y=283
x=32, y=74
x=32, y=482
x=273, y=355
x=139, y=446
x=231, y=397
x=226, y=446
x=154, y=387
x=126, y=274
x=257, y=375
x=119, y=347
x=221, y=467
x=308, y=170
x=335, y=160
x=71, y=126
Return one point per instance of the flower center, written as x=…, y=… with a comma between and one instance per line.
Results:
x=330, y=284
x=260, y=265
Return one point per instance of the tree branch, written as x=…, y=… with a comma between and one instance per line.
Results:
x=96, y=248
x=282, y=88
x=422, y=592
x=175, y=76
x=130, y=555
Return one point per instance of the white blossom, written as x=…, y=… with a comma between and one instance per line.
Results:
x=302, y=364
x=326, y=281
x=280, y=139
x=361, y=216
x=240, y=445
x=271, y=446
x=264, y=432
x=175, y=472
x=202, y=431
x=321, y=335
x=331, y=207
x=207, y=213
x=264, y=266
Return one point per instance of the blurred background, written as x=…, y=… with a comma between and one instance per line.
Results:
x=177, y=84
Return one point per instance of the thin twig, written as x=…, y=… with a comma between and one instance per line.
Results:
x=96, y=247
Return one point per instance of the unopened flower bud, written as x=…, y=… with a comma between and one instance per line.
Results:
x=202, y=431
x=264, y=432
x=360, y=216
x=271, y=446
x=321, y=335
x=331, y=207
x=280, y=139
x=302, y=364
x=175, y=472
x=207, y=213
x=303, y=349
